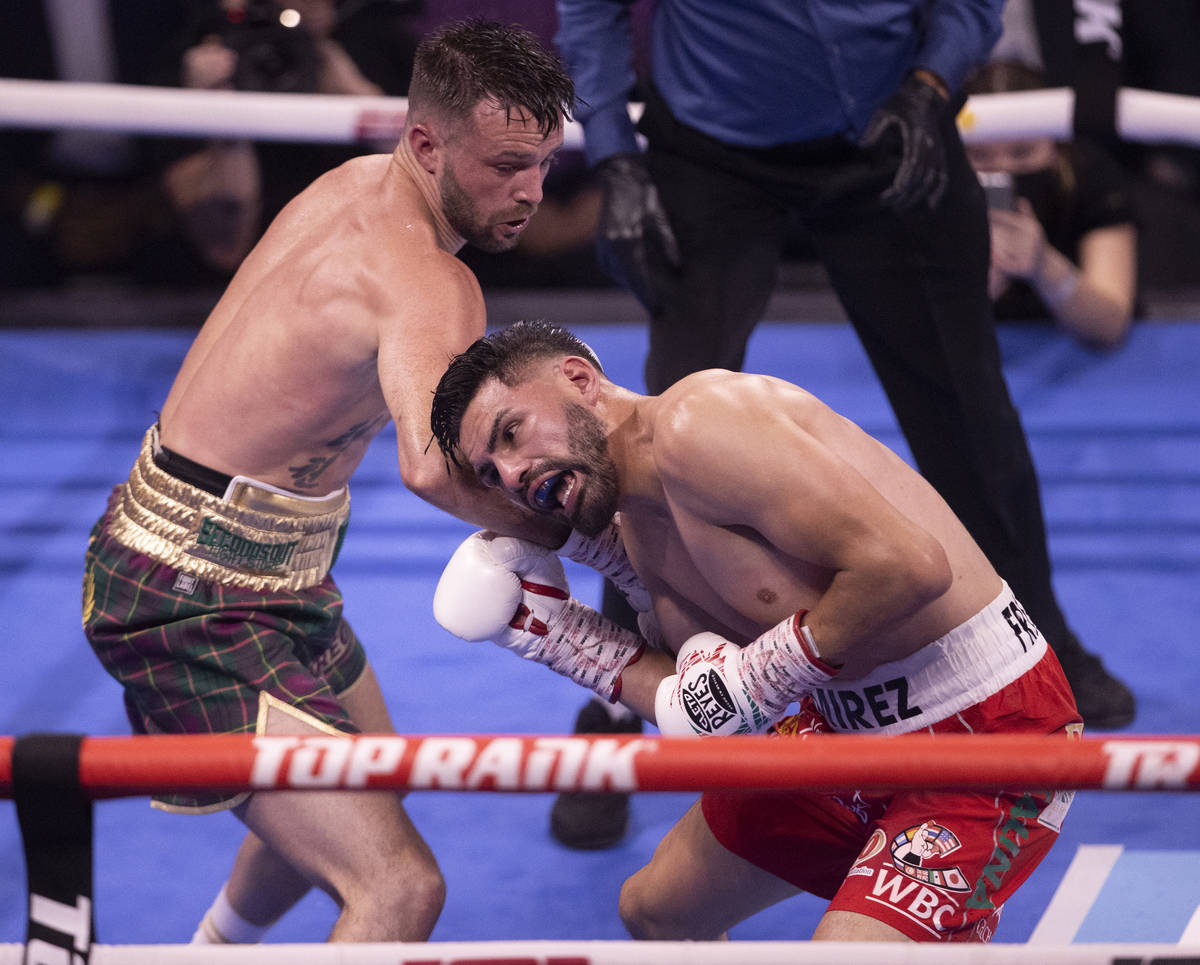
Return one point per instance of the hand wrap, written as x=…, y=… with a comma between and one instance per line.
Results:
x=722, y=689
x=605, y=553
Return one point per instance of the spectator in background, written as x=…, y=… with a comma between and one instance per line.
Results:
x=218, y=189
x=76, y=202
x=843, y=116
x=1064, y=242
x=229, y=190
x=1153, y=46
x=169, y=210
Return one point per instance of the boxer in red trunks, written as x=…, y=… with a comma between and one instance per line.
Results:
x=786, y=554
x=934, y=865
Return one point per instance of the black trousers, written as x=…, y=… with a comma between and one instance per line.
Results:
x=913, y=284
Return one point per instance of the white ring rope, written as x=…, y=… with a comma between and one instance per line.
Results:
x=631, y=953
x=1141, y=115
x=177, y=112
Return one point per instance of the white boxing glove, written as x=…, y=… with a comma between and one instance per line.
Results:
x=491, y=581
x=514, y=593
x=721, y=689
x=706, y=696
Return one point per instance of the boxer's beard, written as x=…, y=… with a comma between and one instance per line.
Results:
x=589, y=448
x=465, y=218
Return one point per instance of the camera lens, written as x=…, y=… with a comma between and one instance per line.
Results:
x=271, y=57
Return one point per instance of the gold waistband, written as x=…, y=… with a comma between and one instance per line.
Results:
x=256, y=537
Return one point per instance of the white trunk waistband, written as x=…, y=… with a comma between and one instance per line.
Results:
x=971, y=662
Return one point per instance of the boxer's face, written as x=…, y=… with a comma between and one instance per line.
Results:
x=547, y=450
x=492, y=173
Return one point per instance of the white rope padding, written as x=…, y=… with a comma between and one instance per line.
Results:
x=1141, y=115
x=631, y=953
x=177, y=112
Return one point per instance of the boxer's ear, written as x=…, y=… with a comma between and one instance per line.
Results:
x=582, y=375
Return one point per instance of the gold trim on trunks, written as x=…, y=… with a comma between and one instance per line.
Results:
x=258, y=537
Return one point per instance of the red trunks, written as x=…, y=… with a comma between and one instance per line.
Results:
x=938, y=866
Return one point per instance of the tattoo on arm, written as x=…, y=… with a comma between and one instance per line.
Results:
x=307, y=476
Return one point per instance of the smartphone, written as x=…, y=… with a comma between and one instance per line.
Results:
x=999, y=190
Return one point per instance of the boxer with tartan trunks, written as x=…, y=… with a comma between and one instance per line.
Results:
x=209, y=598
x=936, y=865
x=334, y=328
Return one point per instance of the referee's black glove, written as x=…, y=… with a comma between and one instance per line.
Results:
x=631, y=215
x=911, y=121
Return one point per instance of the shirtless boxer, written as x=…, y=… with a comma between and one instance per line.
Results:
x=787, y=555
x=207, y=590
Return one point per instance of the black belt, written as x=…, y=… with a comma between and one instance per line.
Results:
x=191, y=472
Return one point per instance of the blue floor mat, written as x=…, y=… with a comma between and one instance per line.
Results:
x=1117, y=442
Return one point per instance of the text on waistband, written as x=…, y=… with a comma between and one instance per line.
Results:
x=233, y=550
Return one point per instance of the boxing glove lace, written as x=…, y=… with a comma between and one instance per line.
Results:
x=605, y=553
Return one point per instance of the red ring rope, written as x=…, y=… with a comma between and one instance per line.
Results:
x=130, y=766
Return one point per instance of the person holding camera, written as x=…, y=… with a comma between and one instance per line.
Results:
x=78, y=204
x=1064, y=237
x=230, y=189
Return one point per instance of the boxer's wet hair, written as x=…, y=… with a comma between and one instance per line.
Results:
x=469, y=61
x=504, y=355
